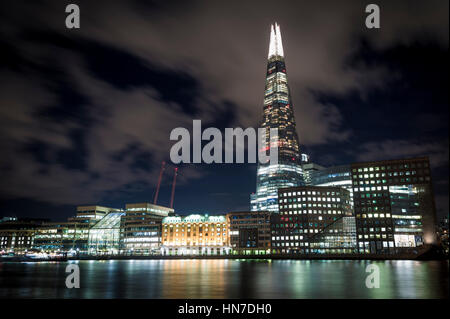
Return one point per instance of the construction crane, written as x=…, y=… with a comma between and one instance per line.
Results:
x=175, y=173
x=163, y=165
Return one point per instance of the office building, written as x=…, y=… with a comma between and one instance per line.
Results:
x=394, y=205
x=141, y=228
x=249, y=232
x=304, y=212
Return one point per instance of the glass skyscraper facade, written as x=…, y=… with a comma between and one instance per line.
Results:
x=278, y=113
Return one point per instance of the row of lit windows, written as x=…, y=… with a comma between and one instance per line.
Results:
x=309, y=199
x=373, y=215
x=390, y=167
x=289, y=194
x=298, y=212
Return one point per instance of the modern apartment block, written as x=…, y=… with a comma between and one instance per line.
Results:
x=249, y=232
x=394, y=205
x=195, y=235
x=141, y=228
x=305, y=212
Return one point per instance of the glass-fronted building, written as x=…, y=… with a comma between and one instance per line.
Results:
x=104, y=237
x=69, y=237
x=394, y=205
x=278, y=113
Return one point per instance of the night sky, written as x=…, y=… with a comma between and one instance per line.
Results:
x=85, y=114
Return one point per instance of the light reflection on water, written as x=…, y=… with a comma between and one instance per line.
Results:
x=225, y=279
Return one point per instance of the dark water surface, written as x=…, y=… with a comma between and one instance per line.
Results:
x=225, y=279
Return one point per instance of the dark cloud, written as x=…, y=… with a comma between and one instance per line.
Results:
x=85, y=114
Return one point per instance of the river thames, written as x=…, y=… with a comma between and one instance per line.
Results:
x=278, y=279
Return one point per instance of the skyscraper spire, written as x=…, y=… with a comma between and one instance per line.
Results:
x=277, y=113
x=276, y=45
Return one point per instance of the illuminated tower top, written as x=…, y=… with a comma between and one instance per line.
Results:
x=276, y=45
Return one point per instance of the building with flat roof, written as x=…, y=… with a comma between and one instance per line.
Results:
x=195, y=235
x=304, y=212
x=249, y=232
x=394, y=205
x=141, y=228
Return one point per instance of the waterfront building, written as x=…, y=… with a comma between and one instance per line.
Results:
x=394, y=205
x=249, y=232
x=70, y=236
x=104, y=236
x=17, y=234
x=195, y=235
x=304, y=212
x=141, y=228
x=73, y=235
x=308, y=171
x=278, y=112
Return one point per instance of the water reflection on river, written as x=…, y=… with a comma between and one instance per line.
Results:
x=225, y=279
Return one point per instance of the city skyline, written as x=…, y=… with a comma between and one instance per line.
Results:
x=87, y=131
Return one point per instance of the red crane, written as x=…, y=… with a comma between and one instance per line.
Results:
x=163, y=164
x=175, y=173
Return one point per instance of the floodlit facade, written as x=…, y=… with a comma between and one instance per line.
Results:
x=195, y=235
x=304, y=212
x=394, y=205
x=141, y=228
x=278, y=113
x=249, y=232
